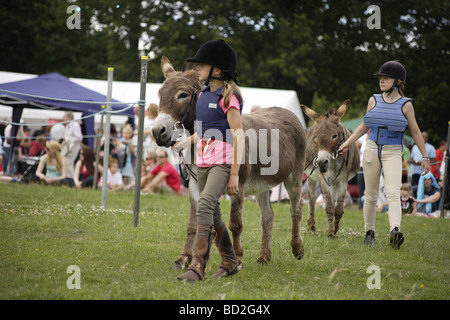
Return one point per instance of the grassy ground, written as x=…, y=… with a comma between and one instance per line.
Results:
x=44, y=230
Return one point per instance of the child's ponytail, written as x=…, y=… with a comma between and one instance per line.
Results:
x=229, y=89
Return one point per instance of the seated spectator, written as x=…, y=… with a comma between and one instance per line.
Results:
x=23, y=150
x=85, y=168
x=115, y=181
x=147, y=166
x=428, y=194
x=37, y=147
x=55, y=165
x=164, y=177
x=409, y=206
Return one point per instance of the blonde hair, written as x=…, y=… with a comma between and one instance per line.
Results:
x=112, y=161
x=55, y=147
x=153, y=109
x=229, y=89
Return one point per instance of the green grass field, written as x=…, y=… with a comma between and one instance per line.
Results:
x=44, y=230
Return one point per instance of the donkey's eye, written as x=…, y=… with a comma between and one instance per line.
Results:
x=334, y=137
x=182, y=96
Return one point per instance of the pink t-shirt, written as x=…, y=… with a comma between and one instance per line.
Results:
x=213, y=152
x=114, y=179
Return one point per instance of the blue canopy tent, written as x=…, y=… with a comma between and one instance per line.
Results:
x=56, y=86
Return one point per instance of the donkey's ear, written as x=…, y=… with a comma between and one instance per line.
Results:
x=166, y=67
x=187, y=66
x=310, y=112
x=343, y=108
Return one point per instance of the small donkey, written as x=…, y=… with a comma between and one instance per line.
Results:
x=178, y=97
x=334, y=170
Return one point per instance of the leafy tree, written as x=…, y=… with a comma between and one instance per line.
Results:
x=321, y=49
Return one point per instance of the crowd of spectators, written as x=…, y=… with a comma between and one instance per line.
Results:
x=56, y=154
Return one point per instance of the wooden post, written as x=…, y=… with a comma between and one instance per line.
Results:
x=140, y=143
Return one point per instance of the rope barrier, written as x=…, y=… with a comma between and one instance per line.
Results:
x=50, y=124
x=64, y=100
x=46, y=136
x=82, y=118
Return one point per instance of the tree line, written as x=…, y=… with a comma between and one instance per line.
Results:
x=324, y=50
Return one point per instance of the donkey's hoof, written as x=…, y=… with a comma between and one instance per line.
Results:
x=181, y=263
x=300, y=254
x=331, y=237
x=312, y=228
x=177, y=265
x=262, y=260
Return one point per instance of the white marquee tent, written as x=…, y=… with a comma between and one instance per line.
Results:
x=124, y=91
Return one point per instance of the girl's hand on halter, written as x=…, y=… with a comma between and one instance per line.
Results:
x=233, y=185
x=178, y=146
x=343, y=148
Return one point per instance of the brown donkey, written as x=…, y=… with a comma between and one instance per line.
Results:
x=274, y=153
x=325, y=165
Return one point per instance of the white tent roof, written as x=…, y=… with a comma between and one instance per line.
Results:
x=125, y=91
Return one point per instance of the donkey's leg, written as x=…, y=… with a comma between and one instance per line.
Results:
x=329, y=207
x=186, y=255
x=312, y=196
x=265, y=207
x=294, y=188
x=341, y=191
x=235, y=224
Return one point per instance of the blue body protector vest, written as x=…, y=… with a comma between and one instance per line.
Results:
x=211, y=120
x=387, y=122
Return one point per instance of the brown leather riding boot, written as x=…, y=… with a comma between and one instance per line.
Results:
x=230, y=263
x=202, y=245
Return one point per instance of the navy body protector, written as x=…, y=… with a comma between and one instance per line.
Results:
x=387, y=122
x=211, y=121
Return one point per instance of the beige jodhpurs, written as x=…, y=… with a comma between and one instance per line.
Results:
x=391, y=164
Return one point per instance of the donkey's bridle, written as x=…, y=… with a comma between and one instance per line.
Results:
x=180, y=124
x=334, y=156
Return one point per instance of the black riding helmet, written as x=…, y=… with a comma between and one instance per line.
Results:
x=218, y=54
x=393, y=69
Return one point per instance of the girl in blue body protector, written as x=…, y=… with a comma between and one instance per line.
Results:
x=388, y=116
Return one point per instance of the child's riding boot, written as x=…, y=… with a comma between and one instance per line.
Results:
x=230, y=263
x=202, y=245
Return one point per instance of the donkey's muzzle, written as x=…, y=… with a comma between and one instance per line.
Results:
x=161, y=135
x=323, y=165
